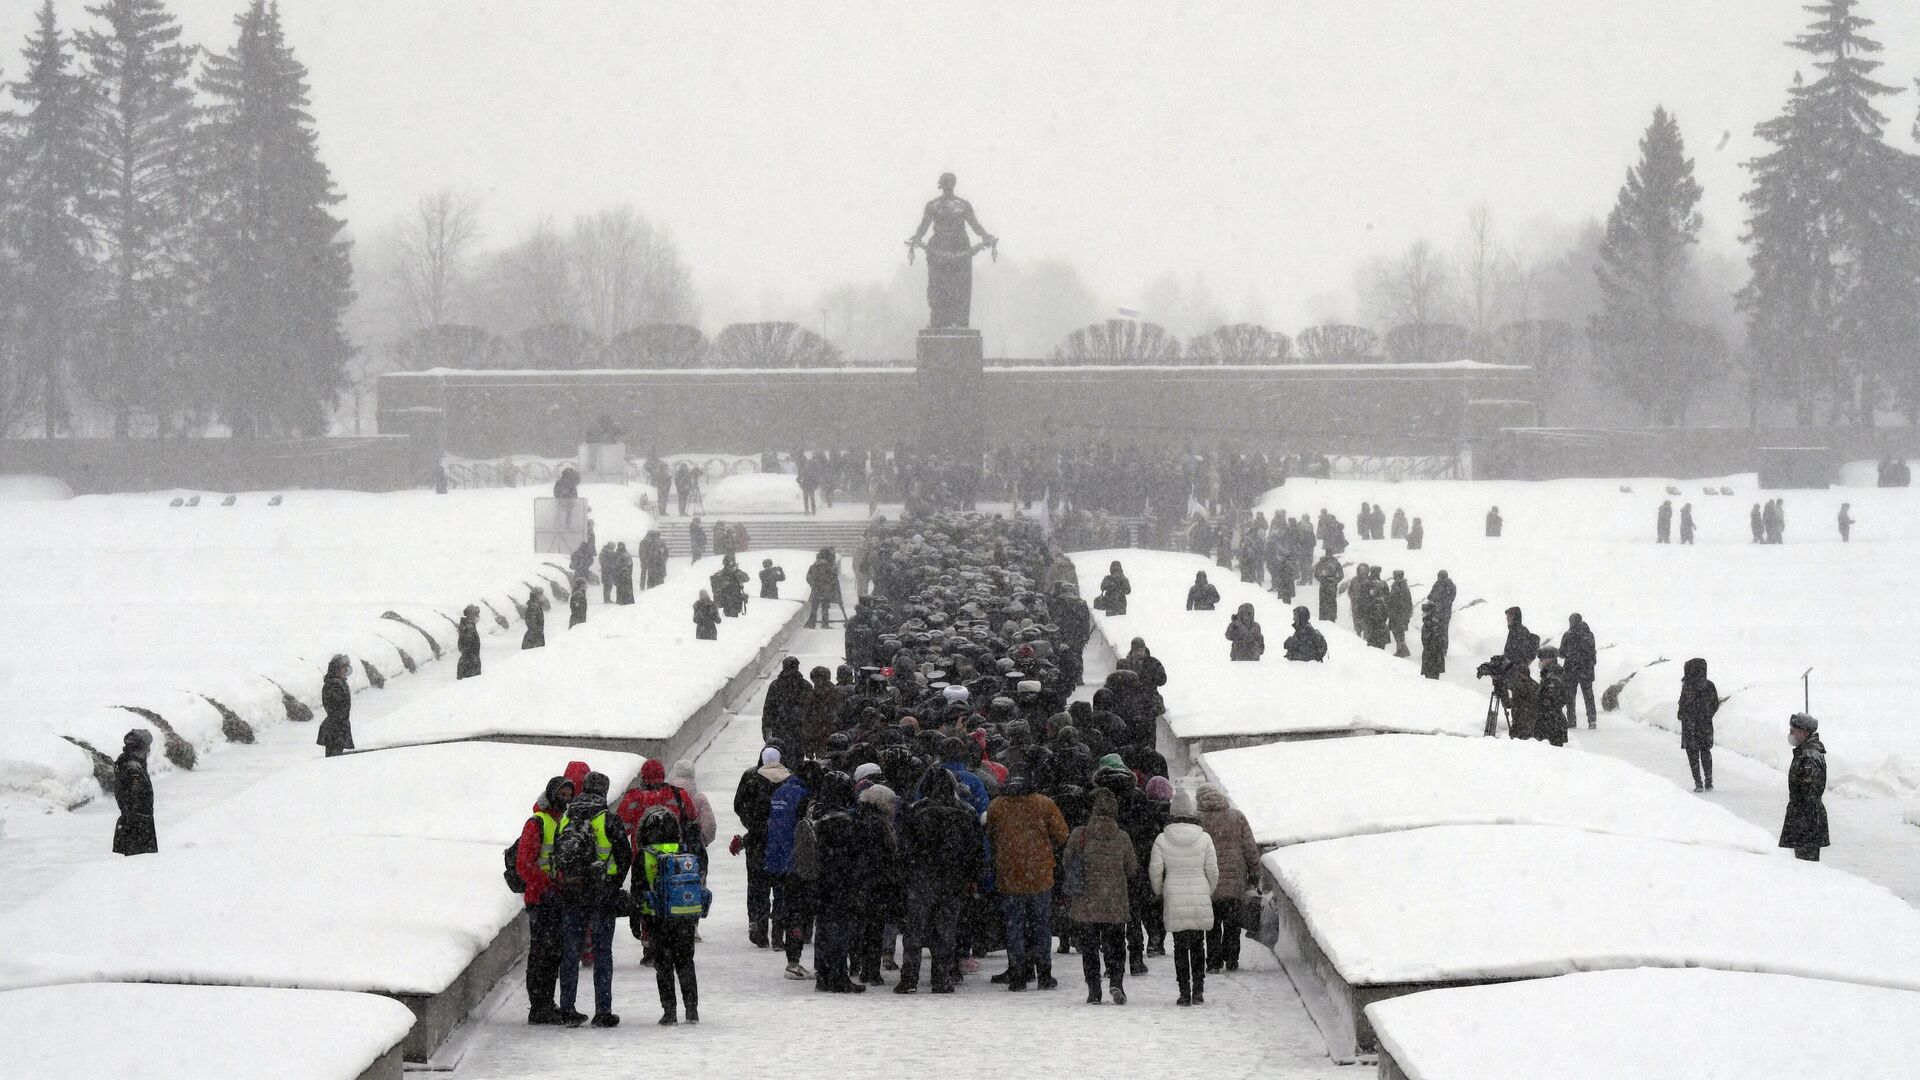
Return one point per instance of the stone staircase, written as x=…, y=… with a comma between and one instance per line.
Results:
x=768, y=533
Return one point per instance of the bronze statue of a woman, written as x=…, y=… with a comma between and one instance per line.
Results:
x=950, y=251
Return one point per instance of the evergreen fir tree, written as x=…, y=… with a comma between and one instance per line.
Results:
x=278, y=278
x=54, y=183
x=138, y=70
x=1645, y=349
x=1830, y=229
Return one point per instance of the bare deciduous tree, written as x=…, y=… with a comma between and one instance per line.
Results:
x=1486, y=280
x=1415, y=287
x=629, y=272
x=433, y=255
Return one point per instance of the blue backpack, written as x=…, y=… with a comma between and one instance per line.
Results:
x=677, y=892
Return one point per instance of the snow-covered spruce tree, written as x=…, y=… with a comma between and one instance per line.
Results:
x=54, y=182
x=275, y=273
x=137, y=73
x=1830, y=231
x=1643, y=346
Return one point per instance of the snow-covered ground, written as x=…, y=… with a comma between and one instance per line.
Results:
x=120, y=600
x=1760, y=614
x=1298, y=792
x=93, y=1031
x=631, y=672
x=1462, y=902
x=1207, y=694
x=1653, y=1022
x=753, y=493
x=397, y=915
x=474, y=792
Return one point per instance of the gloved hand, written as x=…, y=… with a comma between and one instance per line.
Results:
x=734, y=845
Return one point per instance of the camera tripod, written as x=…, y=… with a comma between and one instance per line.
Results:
x=1497, y=708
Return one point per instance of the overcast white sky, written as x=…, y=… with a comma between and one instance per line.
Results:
x=1264, y=146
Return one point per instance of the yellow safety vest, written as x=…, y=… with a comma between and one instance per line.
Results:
x=549, y=828
x=603, y=846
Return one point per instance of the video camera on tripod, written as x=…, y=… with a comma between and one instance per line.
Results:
x=1496, y=668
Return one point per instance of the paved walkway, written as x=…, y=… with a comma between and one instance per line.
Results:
x=754, y=1020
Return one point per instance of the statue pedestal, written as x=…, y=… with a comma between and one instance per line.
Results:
x=949, y=363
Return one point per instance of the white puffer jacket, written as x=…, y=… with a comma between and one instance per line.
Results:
x=1184, y=870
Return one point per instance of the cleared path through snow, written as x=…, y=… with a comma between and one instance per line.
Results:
x=752, y=1017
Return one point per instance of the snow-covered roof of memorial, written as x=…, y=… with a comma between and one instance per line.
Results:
x=1356, y=689
x=1295, y=792
x=1462, y=902
x=630, y=672
x=90, y=1031
x=472, y=792
x=381, y=914
x=1604, y=1025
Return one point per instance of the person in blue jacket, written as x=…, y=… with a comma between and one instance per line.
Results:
x=791, y=909
x=953, y=758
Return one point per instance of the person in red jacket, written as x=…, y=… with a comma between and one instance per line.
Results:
x=655, y=791
x=533, y=860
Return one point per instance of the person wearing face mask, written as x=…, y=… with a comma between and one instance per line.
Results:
x=1805, y=827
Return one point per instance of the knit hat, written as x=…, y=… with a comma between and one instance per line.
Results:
x=770, y=756
x=1028, y=686
x=1160, y=789
x=861, y=772
x=652, y=772
x=1804, y=722
x=1183, y=806
x=955, y=693
x=878, y=795
x=682, y=773
x=1104, y=804
x=1110, y=761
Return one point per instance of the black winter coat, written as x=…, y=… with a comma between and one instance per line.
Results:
x=1306, y=644
x=1699, y=700
x=336, y=732
x=883, y=886
x=134, y=833
x=1248, y=642
x=1806, y=821
x=941, y=843
x=784, y=713
x=1202, y=598
x=469, y=650
x=1577, y=651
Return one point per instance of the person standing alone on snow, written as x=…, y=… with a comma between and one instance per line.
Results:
x=469, y=643
x=133, y=833
x=536, y=620
x=1183, y=872
x=336, y=731
x=1686, y=524
x=1244, y=634
x=1805, y=828
x=1846, y=522
x=1578, y=651
x=1699, y=700
x=1494, y=522
x=1663, y=523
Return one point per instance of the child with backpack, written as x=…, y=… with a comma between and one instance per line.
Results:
x=668, y=902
